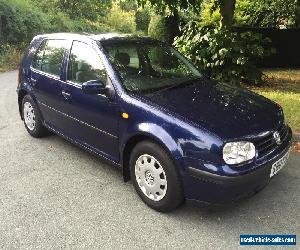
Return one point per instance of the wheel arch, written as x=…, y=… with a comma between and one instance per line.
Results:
x=132, y=142
x=21, y=94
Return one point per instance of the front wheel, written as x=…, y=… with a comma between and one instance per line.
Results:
x=155, y=177
x=32, y=120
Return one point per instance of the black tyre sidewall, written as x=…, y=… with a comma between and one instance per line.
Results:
x=174, y=194
x=39, y=129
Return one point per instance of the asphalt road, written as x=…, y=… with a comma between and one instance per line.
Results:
x=55, y=195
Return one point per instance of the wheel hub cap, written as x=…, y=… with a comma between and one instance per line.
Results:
x=29, y=116
x=151, y=177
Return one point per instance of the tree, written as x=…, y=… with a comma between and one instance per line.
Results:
x=267, y=13
x=297, y=14
x=227, y=8
x=89, y=9
x=121, y=20
x=171, y=7
x=127, y=5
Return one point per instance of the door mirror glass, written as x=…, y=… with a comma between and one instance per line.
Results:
x=94, y=87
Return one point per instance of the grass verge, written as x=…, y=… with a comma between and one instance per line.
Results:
x=283, y=87
x=9, y=58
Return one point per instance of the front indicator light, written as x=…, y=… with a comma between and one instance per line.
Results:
x=125, y=115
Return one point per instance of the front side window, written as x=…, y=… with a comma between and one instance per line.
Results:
x=49, y=56
x=150, y=67
x=85, y=64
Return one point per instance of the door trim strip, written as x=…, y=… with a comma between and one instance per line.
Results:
x=75, y=119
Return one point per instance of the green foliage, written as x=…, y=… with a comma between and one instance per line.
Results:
x=142, y=15
x=20, y=21
x=284, y=88
x=263, y=13
x=164, y=28
x=9, y=57
x=297, y=13
x=127, y=5
x=82, y=9
x=168, y=7
x=209, y=16
x=59, y=22
x=225, y=55
x=142, y=19
x=120, y=20
x=158, y=29
x=268, y=13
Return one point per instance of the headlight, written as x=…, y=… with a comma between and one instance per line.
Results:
x=238, y=152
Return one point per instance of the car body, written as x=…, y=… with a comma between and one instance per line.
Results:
x=191, y=122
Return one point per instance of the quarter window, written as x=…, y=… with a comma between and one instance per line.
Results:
x=49, y=56
x=85, y=64
x=38, y=58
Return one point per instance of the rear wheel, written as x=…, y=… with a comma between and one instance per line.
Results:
x=32, y=121
x=155, y=177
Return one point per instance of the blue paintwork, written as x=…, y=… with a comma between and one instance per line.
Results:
x=191, y=122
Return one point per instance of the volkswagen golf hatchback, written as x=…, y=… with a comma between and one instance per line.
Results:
x=142, y=106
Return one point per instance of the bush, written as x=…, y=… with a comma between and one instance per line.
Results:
x=209, y=17
x=9, y=57
x=120, y=20
x=20, y=21
x=157, y=28
x=263, y=13
x=226, y=56
x=142, y=19
x=267, y=13
x=163, y=28
x=59, y=22
x=212, y=17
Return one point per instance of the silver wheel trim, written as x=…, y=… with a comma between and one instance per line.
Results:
x=151, y=177
x=29, y=116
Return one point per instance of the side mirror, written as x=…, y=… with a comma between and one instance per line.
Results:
x=94, y=87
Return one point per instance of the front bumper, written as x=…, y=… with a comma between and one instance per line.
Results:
x=213, y=188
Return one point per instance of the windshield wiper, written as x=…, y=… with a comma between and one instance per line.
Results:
x=174, y=86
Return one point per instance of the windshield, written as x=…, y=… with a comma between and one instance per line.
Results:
x=149, y=68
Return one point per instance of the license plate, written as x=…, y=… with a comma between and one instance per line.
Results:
x=278, y=165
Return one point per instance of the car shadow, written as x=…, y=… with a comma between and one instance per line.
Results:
x=274, y=208
x=276, y=202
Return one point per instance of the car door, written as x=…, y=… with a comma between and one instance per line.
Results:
x=46, y=71
x=91, y=120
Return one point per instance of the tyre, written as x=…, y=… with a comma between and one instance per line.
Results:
x=32, y=120
x=155, y=177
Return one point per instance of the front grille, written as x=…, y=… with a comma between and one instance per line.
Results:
x=267, y=143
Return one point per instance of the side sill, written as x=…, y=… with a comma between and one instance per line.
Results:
x=88, y=149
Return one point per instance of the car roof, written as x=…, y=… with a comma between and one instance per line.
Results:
x=104, y=37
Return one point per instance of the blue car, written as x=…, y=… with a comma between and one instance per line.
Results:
x=142, y=106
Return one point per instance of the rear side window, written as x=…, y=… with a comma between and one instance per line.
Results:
x=85, y=64
x=49, y=56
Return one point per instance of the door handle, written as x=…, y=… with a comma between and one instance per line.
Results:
x=66, y=95
x=33, y=81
